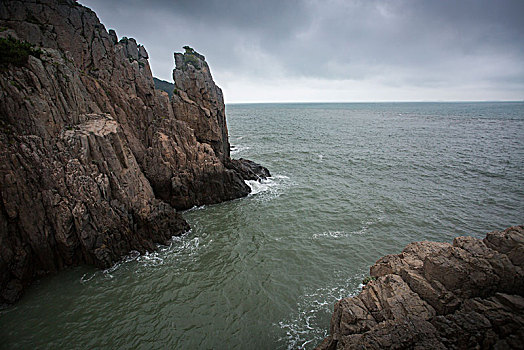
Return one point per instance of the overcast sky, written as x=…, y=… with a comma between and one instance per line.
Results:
x=335, y=50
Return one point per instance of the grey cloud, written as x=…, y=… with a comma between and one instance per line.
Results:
x=405, y=42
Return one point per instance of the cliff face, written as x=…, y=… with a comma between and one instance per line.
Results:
x=94, y=161
x=468, y=295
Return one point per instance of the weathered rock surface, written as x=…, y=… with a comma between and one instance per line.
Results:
x=468, y=295
x=199, y=102
x=94, y=161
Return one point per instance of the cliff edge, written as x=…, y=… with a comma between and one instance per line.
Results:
x=468, y=295
x=94, y=162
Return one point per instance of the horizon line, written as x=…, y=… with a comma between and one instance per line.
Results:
x=402, y=101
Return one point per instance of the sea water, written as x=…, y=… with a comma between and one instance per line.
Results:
x=351, y=183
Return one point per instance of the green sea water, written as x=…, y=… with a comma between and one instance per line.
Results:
x=351, y=183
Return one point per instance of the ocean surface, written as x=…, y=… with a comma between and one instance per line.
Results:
x=351, y=183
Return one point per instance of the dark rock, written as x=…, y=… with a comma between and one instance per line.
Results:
x=112, y=35
x=132, y=49
x=439, y=296
x=142, y=53
x=248, y=169
x=94, y=161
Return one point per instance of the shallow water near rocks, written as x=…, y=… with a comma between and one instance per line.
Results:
x=351, y=183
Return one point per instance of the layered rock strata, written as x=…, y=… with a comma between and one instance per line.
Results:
x=94, y=162
x=465, y=295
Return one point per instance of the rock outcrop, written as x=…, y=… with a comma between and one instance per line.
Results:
x=199, y=102
x=94, y=162
x=469, y=295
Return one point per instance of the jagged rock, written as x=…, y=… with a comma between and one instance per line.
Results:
x=113, y=36
x=142, y=53
x=94, y=161
x=132, y=49
x=439, y=296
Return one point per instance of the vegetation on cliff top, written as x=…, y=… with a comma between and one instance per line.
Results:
x=192, y=57
x=189, y=50
x=16, y=52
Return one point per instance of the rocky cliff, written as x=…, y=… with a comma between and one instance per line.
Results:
x=468, y=295
x=94, y=162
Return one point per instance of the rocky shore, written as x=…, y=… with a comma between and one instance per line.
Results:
x=465, y=295
x=94, y=162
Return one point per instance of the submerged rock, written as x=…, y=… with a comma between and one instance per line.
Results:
x=94, y=162
x=466, y=295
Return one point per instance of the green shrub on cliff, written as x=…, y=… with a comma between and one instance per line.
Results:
x=192, y=60
x=16, y=52
x=192, y=57
x=368, y=279
x=189, y=50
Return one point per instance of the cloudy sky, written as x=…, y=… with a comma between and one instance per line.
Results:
x=336, y=50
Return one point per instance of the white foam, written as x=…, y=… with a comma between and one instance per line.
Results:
x=257, y=187
x=151, y=259
x=342, y=234
x=237, y=149
x=193, y=208
x=271, y=184
x=332, y=234
x=178, y=246
x=303, y=329
x=86, y=278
